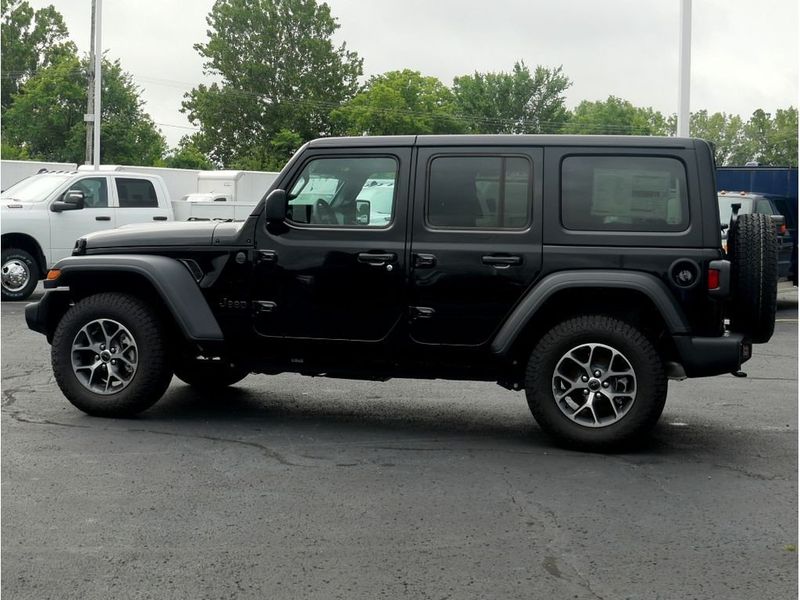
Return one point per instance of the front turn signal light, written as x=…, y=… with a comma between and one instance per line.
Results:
x=53, y=274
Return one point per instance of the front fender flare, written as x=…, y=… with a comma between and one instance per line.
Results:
x=171, y=280
x=644, y=283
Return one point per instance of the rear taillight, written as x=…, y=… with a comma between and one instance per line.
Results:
x=782, y=229
x=713, y=279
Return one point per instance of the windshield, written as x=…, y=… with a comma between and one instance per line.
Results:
x=35, y=188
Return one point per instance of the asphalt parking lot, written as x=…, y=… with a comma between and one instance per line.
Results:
x=290, y=487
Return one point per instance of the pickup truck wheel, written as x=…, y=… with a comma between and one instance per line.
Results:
x=595, y=382
x=109, y=356
x=754, y=277
x=207, y=373
x=20, y=274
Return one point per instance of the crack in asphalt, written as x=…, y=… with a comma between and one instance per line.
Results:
x=269, y=452
x=550, y=563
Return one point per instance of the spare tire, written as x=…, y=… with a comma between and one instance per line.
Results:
x=754, y=277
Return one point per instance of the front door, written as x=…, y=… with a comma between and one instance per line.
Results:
x=335, y=269
x=476, y=240
x=97, y=214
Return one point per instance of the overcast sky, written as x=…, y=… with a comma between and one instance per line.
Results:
x=744, y=53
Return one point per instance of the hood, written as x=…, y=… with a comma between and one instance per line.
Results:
x=193, y=233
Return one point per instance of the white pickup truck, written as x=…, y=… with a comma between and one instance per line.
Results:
x=42, y=216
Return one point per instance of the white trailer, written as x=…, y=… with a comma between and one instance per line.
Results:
x=12, y=171
x=244, y=186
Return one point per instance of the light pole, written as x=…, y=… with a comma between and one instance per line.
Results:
x=685, y=68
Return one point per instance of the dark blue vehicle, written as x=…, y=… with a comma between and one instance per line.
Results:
x=778, y=184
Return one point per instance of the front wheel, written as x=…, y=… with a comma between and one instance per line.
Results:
x=110, y=357
x=595, y=382
x=20, y=274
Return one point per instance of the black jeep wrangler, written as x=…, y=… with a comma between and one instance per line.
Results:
x=584, y=270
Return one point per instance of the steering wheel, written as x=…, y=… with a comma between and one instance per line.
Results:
x=324, y=213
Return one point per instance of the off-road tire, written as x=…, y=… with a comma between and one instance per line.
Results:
x=153, y=372
x=11, y=255
x=754, y=277
x=651, y=386
x=209, y=374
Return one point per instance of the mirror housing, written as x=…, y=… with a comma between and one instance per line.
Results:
x=71, y=200
x=275, y=206
x=362, y=212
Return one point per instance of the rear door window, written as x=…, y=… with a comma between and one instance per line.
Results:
x=136, y=193
x=479, y=192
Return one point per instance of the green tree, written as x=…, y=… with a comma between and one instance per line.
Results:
x=46, y=117
x=726, y=132
x=30, y=40
x=279, y=71
x=772, y=141
x=187, y=156
x=396, y=103
x=516, y=102
x=615, y=116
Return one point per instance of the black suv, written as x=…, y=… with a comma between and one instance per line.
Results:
x=584, y=270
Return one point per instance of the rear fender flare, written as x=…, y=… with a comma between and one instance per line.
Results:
x=644, y=283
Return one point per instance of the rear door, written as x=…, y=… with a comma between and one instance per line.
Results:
x=476, y=240
x=137, y=201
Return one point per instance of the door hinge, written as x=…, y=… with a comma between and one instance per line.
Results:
x=420, y=312
x=267, y=256
x=264, y=306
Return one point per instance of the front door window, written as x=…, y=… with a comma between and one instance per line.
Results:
x=344, y=192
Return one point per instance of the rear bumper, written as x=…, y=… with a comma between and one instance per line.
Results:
x=705, y=356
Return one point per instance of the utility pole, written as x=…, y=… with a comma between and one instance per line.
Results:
x=98, y=78
x=89, y=116
x=685, y=68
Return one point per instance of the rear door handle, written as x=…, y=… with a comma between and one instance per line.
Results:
x=424, y=261
x=102, y=218
x=502, y=261
x=377, y=259
x=159, y=218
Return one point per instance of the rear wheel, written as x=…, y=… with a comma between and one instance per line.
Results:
x=109, y=357
x=20, y=274
x=754, y=277
x=210, y=373
x=595, y=382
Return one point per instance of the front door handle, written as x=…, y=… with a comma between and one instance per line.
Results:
x=377, y=259
x=102, y=218
x=159, y=218
x=502, y=261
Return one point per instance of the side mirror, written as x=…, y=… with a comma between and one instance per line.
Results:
x=275, y=207
x=362, y=212
x=780, y=223
x=71, y=200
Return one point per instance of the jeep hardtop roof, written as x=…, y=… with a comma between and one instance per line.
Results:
x=603, y=141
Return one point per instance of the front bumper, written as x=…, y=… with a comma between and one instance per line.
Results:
x=43, y=316
x=705, y=356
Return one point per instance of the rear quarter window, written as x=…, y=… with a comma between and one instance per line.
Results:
x=624, y=193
